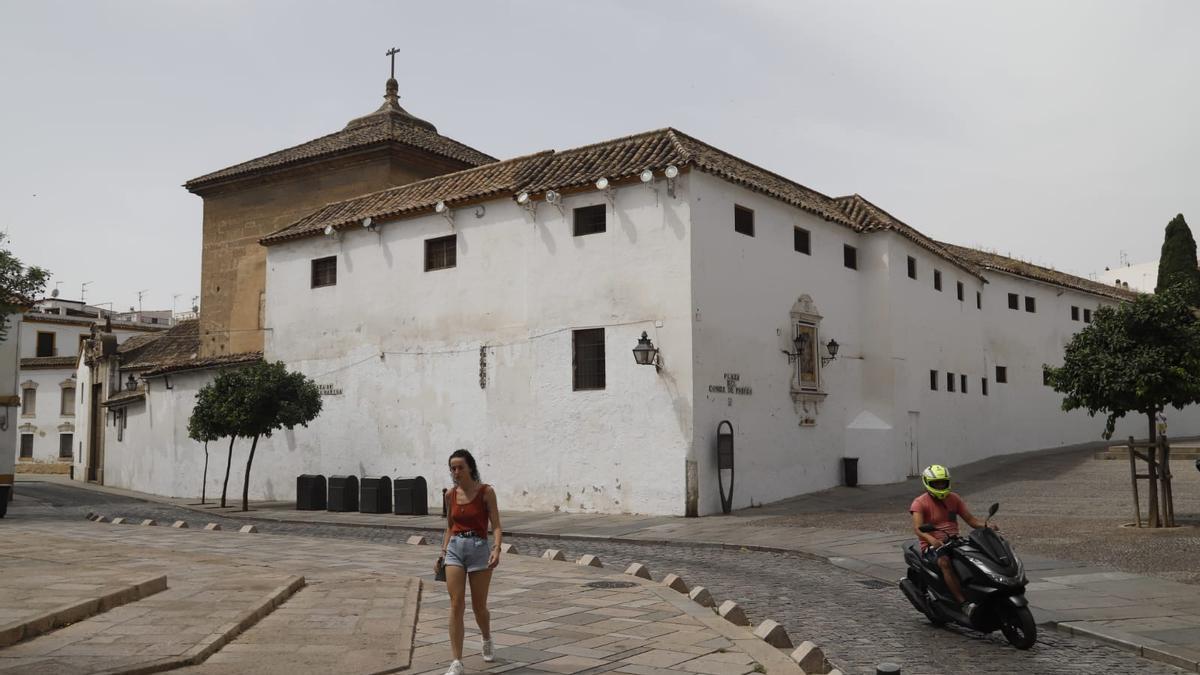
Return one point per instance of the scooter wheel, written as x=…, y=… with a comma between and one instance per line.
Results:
x=1018, y=627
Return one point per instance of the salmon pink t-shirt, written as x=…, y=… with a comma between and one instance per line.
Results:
x=942, y=513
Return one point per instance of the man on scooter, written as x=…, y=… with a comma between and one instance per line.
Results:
x=940, y=507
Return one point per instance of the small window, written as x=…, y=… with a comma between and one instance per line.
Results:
x=324, y=272
x=441, y=253
x=978, y=299
x=65, y=441
x=1030, y=304
x=961, y=290
x=45, y=344
x=949, y=381
x=587, y=356
x=1014, y=301
x=121, y=424
x=68, y=401
x=983, y=386
x=1046, y=376
x=912, y=267
x=802, y=241
x=29, y=402
x=933, y=376
x=1002, y=374
x=1074, y=313
x=937, y=280
x=1087, y=315
x=743, y=220
x=26, y=446
x=590, y=219
x=962, y=383
x=850, y=256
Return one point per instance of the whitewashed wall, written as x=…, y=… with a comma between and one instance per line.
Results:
x=48, y=420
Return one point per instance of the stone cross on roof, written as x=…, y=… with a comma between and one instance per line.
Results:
x=392, y=53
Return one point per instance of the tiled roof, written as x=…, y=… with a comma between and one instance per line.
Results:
x=868, y=217
x=999, y=263
x=124, y=397
x=209, y=362
x=618, y=160
x=135, y=342
x=38, y=317
x=389, y=124
x=181, y=342
x=49, y=362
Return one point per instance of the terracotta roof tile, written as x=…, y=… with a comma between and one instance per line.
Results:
x=124, y=397
x=38, y=317
x=999, y=263
x=209, y=362
x=870, y=218
x=49, y=362
x=181, y=342
x=618, y=159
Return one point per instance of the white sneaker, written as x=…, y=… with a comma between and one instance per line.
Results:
x=489, y=653
x=456, y=668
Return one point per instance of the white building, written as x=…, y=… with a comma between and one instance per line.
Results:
x=496, y=309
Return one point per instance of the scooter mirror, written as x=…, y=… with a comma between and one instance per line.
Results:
x=927, y=527
x=993, y=509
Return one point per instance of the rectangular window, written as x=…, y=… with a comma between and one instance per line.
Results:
x=121, y=424
x=937, y=280
x=441, y=253
x=1014, y=301
x=961, y=290
x=590, y=219
x=45, y=344
x=949, y=381
x=1002, y=374
x=933, y=380
x=978, y=299
x=1087, y=315
x=850, y=256
x=26, y=446
x=1030, y=305
x=912, y=267
x=68, y=401
x=65, y=441
x=587, y=358
x=802, y=241
x=324, y=272
x=983, y=389
x=29, y=402
x=1074, y=313
x=743, y=220
x=962, y=382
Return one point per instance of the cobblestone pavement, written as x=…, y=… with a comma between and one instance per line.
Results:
x=857, y=622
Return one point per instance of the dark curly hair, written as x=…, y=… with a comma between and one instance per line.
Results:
x=470, y=459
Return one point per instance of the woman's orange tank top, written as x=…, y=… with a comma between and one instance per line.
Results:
x=469, y=517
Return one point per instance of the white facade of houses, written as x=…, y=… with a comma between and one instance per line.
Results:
x=416, y=364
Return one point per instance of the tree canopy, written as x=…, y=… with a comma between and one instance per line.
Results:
x=19, y=284
x=1177, y=267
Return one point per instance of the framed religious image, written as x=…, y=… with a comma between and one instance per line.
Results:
x=806, y=363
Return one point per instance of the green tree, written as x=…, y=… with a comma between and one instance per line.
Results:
x=216, y=415
x=1177, y=262
x=19, y=285
x=203, y=427
x=270, y=398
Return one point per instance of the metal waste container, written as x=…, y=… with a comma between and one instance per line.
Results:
x=375, y=494
x=310, y=492
x=343, y=493
x=412, y=496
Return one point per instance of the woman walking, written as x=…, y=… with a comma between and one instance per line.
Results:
x=471, y=506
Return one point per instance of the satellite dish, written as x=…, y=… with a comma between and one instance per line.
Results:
x=328, y=230
x=602, y=184
x=647, y=176
x=54, y=293
x=367, y=221
x=672, y=171
x=440, y=207
x=523, y=198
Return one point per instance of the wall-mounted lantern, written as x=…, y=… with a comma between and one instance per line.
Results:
x=646, y=354
x=130, y=385
x=832, y=346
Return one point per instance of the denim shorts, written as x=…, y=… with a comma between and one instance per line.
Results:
x=469, y=553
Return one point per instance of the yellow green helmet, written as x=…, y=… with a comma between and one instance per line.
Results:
x=937, y=480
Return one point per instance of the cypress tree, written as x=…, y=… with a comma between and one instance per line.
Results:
x=1177, y=262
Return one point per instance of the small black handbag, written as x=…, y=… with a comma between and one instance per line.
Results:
x=439, y=570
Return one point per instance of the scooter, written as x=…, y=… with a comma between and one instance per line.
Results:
x=991, y=575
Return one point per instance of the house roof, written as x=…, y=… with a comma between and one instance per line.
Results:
x=49, y=362
x=180, y=343
x=389, y=124
x=39, y=317
x=868, y=217
x=619, y=160
x=999, y=263
x=124, y=397
x=208, y=362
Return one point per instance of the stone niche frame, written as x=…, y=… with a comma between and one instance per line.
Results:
x=806, y=387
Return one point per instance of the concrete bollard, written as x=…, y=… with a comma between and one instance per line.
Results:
x=702, y=597
x=119, y=520
x=180, y=525
x=675, y=583
x=637, y=570
x=589, y=560
x=554, y=554
x=810, y=658
x=887, y=668
x=101, y=519
x=212, y=527
x=509, y=549
x=417, y=540
x=773, y=634
x=150, y=522
x=91, y=515
x=733, y=613
x=248, y=529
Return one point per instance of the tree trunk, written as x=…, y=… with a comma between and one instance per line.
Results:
x=228, y=463
x=246, y=483
x=204, y=479
x=1152, y=471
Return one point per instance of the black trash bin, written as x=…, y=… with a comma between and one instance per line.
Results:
x=310, y=492
x=343, y=493
x=850, y=471
x=5, y=495
x=375, y=494
x=412, y=496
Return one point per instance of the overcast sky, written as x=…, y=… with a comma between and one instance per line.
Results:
x=1064, y=133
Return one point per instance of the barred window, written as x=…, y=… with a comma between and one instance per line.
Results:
x=912, y=267
x=590, y=220
x=1087, y=315
x=1014, y=301
x=1002, y=374
x=65, y=441
x=1074, y=313
x=587, y=358
x=441, y=253
x=743, y=220
x=1030, y=304
x=324, y=271
x=45, y=344
x=949, y=381
x=27, y=446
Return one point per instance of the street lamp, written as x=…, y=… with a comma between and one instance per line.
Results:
x=646, y=354
x=833, y=350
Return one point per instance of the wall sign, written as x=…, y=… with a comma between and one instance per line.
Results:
x=732, y=386
x=328, y=390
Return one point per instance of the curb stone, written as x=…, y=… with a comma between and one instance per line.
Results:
x=701, y=596
x=589, y=560
x=213, y=527
x=638, y=570
x=67, y=614
x=733, y=613
x=554, y=554
x=248, y=529
x=675, y=583
x=180, y=525
x=1147, y=648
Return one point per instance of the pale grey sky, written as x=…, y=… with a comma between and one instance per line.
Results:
x=1060, y=132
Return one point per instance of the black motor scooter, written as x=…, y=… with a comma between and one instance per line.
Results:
x=992, y=577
